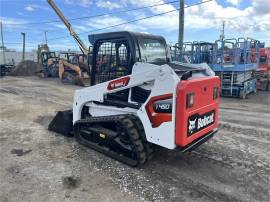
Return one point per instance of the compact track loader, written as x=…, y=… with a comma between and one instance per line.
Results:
x=139, y=98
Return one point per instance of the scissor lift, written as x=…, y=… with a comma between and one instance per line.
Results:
x=233, y=60
x=193, y=52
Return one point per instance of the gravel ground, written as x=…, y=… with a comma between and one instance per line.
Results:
x=37, y=165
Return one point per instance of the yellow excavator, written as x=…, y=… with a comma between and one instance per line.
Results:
x=67, y=70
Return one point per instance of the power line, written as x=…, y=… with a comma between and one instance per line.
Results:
x=85, y=17
x=131, y=21
x=94, y=16
x=124, y=23
x=19, y=43
x=13, y=43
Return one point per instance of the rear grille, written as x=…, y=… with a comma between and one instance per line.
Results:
x=139, y=94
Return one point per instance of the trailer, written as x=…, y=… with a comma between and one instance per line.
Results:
x=6, y=68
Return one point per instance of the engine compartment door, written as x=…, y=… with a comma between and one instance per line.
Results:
x=197, y=102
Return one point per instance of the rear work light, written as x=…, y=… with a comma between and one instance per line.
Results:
x=190, y=100
x=215, y=93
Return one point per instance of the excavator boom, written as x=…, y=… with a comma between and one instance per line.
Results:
x=82, y=46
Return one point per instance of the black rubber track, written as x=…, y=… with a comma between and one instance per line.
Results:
x=149, y=148
x=131, y=131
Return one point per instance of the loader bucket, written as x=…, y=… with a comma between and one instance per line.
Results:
x=62, y=123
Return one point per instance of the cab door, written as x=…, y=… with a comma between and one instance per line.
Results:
x=111, y=60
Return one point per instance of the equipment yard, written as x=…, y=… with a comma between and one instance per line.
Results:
x=39, y=165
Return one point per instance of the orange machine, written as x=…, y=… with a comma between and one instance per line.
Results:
x=263, y=72
x=264, y=59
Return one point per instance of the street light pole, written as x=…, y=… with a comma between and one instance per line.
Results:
x=222, y=34
x=23, y=54
x=2, y=43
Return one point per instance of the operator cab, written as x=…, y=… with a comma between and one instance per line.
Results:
x=45, y=56
x=70, y=57
x=115, y=53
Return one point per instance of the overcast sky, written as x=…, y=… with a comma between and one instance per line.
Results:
x=243, y=18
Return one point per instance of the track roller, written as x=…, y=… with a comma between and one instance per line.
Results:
x=116, y=136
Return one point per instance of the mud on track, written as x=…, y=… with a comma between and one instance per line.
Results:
x=37, y=165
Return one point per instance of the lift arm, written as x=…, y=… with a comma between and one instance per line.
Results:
x=82, y=46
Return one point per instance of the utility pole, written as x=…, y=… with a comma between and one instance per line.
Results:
x=23, y=54
x=2, y=43
x=45, y=33
x=222, y=34
x=181, y=24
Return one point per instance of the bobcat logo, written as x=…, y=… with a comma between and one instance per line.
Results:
x=192, y=125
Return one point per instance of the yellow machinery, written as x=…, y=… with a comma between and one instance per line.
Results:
x=66, y=68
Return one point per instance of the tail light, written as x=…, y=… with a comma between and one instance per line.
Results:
x=215, y=93
x=190, y=100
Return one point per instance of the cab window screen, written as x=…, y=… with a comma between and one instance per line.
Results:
x=111, y=60
x=152, y=51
